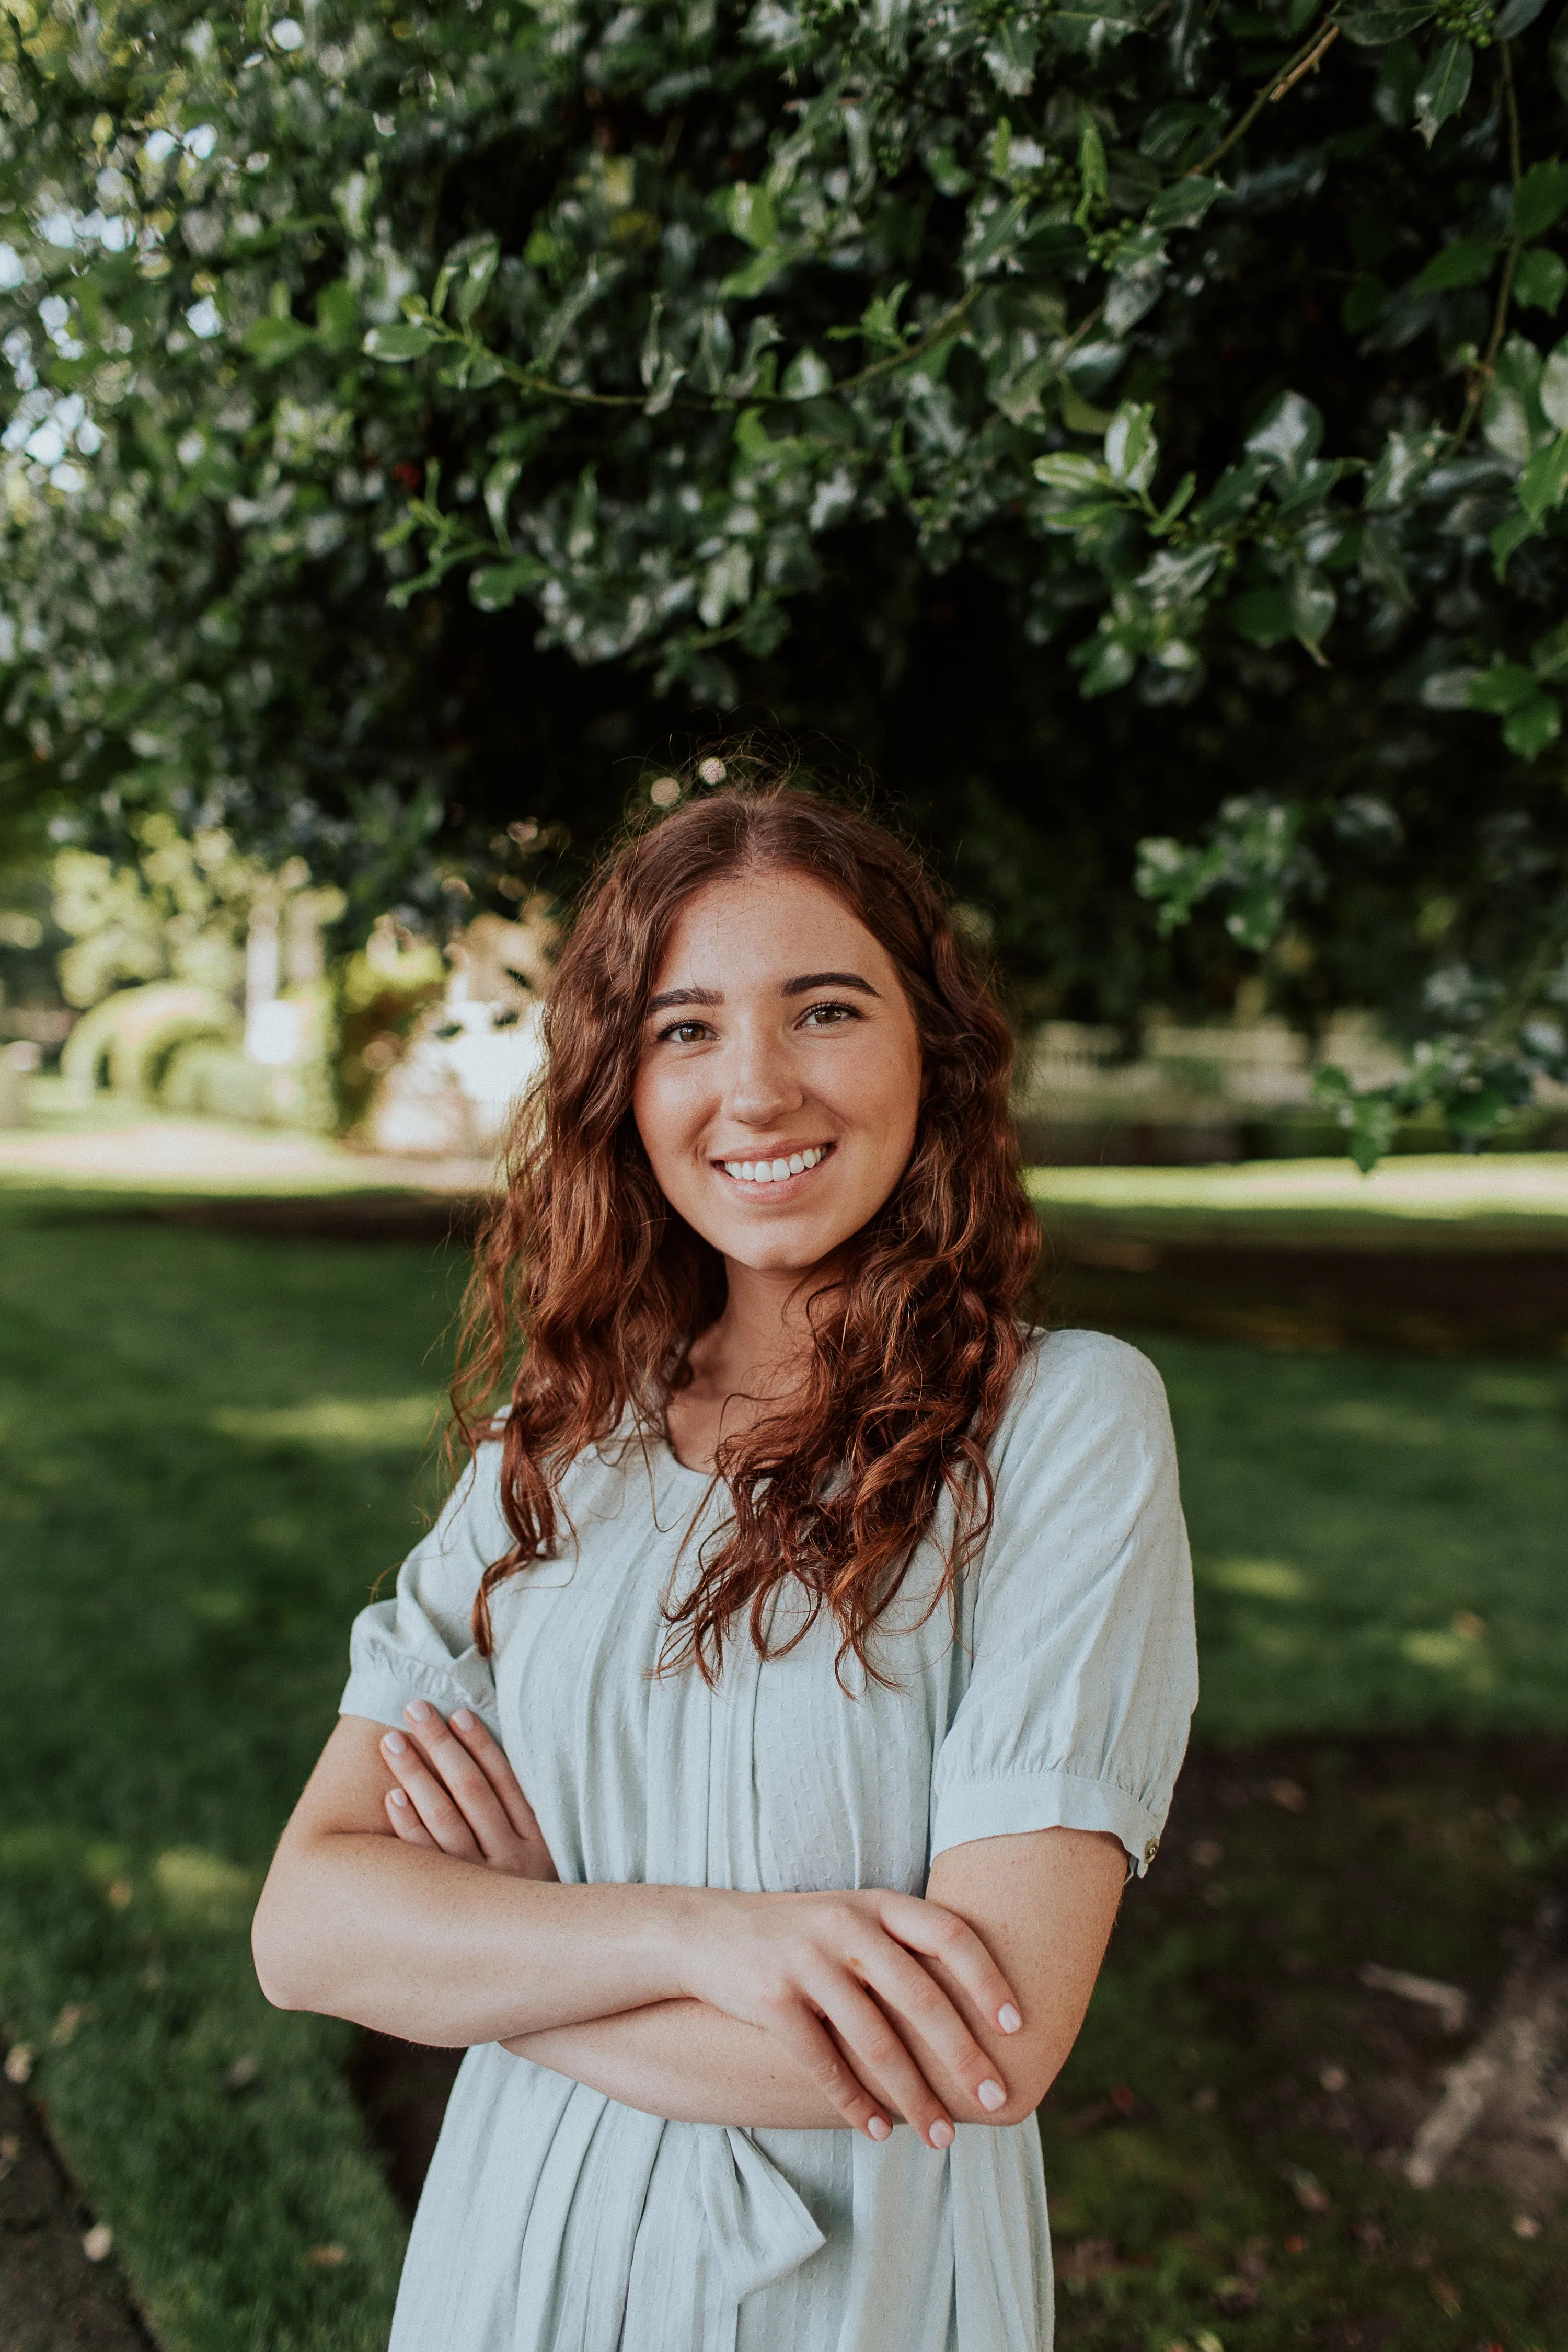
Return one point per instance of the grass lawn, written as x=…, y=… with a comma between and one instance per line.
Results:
x=209, y=1446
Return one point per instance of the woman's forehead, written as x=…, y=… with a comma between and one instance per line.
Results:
x=764, y=928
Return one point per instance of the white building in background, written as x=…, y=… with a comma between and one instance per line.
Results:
x=473, y=1055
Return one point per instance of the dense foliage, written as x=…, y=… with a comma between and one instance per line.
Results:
x=1131, y=419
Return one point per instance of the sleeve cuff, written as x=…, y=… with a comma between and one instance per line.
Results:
x=377, y=1691
x=1006, y=1807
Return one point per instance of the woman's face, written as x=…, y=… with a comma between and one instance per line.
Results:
x=779, y=1084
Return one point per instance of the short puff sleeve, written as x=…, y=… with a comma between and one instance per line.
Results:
x=1084, y=1671
x=420, y=1643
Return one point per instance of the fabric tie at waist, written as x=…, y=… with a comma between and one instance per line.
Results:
x=760, y=2229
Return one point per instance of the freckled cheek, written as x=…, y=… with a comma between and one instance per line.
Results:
x=671, y=1116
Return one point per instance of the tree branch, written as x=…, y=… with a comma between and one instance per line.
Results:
x=1306, y=59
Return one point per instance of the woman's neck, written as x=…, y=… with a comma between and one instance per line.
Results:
x=750, y=1360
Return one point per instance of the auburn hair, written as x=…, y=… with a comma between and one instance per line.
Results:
x=589, y=1290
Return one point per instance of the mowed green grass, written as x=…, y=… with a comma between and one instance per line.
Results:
x=209, y=1450
x=209, y=1445
x=1378, y=1543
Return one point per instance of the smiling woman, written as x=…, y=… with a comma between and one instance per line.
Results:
x=749, y=1764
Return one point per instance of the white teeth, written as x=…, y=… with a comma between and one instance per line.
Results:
x=773, y=1172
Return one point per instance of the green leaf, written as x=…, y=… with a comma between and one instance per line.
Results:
x=1465, y=262
x=1262, y=616
x=1287, y=436
x=1131, y=450
x=1540, y=198
x=1530, y=726
x=757, y=276
x=1107, y=664
x=1513, y=419
x=1516, y=18
x=1552, y=390
x=1541, y=280
x=1509, y=535
x=1313, y=606
x=749, y=214
x=1233, y=496
x=1544, y=480
x=1094, y=26
x=273, y=341
x=1000, y=233
x=1067, y=470
x=1184, y=203
x=495, y=585
x=807, y=376
x=1549, y=654
x=1093, y=177
x=398, y=344
x=337, y=315
x=1444, y=87
x=1372, y=29
x=1503, y=688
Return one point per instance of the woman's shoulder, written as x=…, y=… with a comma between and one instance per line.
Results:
x=1077, y=1390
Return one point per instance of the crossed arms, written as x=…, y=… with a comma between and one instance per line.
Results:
x=412, y=1892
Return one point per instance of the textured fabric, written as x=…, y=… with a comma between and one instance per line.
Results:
x=555, y=2220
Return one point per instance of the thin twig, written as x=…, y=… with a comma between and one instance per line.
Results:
x=524, y=378
x=1306, y=66
x=1481, y=375
x=1290, y=74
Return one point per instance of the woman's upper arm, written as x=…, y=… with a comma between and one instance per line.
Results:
x=346, y=1793
x=1044, y=1902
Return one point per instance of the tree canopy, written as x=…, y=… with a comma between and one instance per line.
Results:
x=1142, y=424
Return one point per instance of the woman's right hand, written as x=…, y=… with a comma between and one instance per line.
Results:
x=456, y=1792
x=842, y=1981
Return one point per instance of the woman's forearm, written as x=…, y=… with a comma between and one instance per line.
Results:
x=688, y=2062
x=418, y=1945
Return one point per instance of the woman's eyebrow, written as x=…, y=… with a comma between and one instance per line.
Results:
x=811, y=979
x=683, y=996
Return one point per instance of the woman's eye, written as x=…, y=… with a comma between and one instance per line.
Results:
x=831, y=1016
x=683, y=1032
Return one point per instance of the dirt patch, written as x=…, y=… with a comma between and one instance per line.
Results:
x=52, y=2296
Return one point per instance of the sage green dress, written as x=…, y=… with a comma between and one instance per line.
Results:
x=556, y=2220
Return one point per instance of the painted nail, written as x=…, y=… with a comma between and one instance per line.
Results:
x=991, y=2096
x=463, y=1719
x=395, y=1744
x=879, y=2127
x=940, y=2134
x=398, y=1797
x=416, y=1711
x=1008, y=2019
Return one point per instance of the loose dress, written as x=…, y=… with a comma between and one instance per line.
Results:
x=556, y=2220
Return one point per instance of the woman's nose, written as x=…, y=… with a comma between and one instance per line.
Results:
x=763, y=1083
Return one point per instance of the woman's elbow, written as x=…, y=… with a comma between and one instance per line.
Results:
x=282, y=1954
x=1029, y=2077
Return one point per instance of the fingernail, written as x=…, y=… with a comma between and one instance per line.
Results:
x=398, y=1796
x=879, y=2127
x=941, y=2135
x=1008, y=2019
x=395, y=1744
x=416, y=1711
x=463, y=1719
x=992, y=2096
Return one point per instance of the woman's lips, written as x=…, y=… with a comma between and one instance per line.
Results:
x=776, y=1174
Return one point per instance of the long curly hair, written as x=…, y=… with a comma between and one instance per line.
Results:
x=589, y=1290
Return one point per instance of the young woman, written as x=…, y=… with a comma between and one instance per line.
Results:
x=803, y=1659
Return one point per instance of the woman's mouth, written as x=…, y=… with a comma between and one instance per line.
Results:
x=777, y=1169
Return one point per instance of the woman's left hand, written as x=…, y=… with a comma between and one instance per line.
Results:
x=456, y=1792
